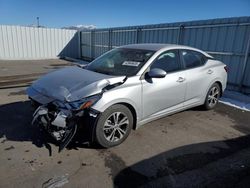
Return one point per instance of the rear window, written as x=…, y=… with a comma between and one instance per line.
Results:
x=192, y=58
x=167, y=61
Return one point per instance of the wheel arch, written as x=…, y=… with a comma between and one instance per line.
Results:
x=133, y=111
x=220, y=84
x=218, y=81
x=131, y=105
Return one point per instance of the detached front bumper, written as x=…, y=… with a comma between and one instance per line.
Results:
x=49, y=119
x=63, y=124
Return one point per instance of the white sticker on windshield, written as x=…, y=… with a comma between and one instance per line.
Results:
x=131, y=63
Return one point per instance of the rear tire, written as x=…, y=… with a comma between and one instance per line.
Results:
x=212, y=97
x=114, y=126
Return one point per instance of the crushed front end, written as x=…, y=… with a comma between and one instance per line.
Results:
x=62, y=120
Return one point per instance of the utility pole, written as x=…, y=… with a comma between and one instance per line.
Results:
x=37, y=19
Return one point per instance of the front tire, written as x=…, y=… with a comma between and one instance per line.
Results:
x=212, y=97
x=114, y=126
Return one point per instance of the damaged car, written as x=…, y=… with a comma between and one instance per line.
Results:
x=123, y=89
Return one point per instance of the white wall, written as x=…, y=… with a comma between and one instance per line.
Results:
x=18, y=42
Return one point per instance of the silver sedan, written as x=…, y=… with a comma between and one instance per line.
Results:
x=124, y=89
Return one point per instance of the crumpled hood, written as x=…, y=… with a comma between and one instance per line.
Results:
x=72, y=83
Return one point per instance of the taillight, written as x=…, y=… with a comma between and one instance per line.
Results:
x=226, y=69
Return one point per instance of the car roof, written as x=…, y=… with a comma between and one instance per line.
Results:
x=159, y=46
x=148, y=46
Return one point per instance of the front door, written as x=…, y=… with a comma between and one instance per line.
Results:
x=161, y=95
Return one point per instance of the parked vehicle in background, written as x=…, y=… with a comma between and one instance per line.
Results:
x=124, y=89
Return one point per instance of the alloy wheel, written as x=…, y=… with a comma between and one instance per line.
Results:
x=115, y=126
x=213, y=96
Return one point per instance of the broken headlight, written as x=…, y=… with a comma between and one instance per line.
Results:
x=85, y=102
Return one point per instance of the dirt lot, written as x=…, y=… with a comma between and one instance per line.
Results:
x=194, y=148
x=21, y=73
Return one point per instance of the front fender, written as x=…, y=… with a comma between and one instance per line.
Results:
x=102, y=105
x=131, y=96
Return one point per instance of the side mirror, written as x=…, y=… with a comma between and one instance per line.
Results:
x=81, y=65
x=157, y=73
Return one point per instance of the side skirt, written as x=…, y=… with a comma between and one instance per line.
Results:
x=159, y=116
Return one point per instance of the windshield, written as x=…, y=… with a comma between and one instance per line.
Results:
x=120, y=62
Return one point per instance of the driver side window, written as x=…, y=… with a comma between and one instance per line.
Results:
x=167, y=61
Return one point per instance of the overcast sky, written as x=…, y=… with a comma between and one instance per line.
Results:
x=113, y=13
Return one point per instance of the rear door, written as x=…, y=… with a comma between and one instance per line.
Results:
x=198, y=76
x=161, y=95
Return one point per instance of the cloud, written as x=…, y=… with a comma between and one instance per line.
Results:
x=80, y=27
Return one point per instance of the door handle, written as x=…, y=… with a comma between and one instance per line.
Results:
x=210, y=71
x=181, y=79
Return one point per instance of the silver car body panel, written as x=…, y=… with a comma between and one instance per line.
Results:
x=69, y=84
x=164, y=96
x=129, y=93
x=150, y=100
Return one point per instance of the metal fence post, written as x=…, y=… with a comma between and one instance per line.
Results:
x=110, y=39
x=80, y=44
x=245, y=63
x=92, y=47
x=179, y=36
x=138, y=35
